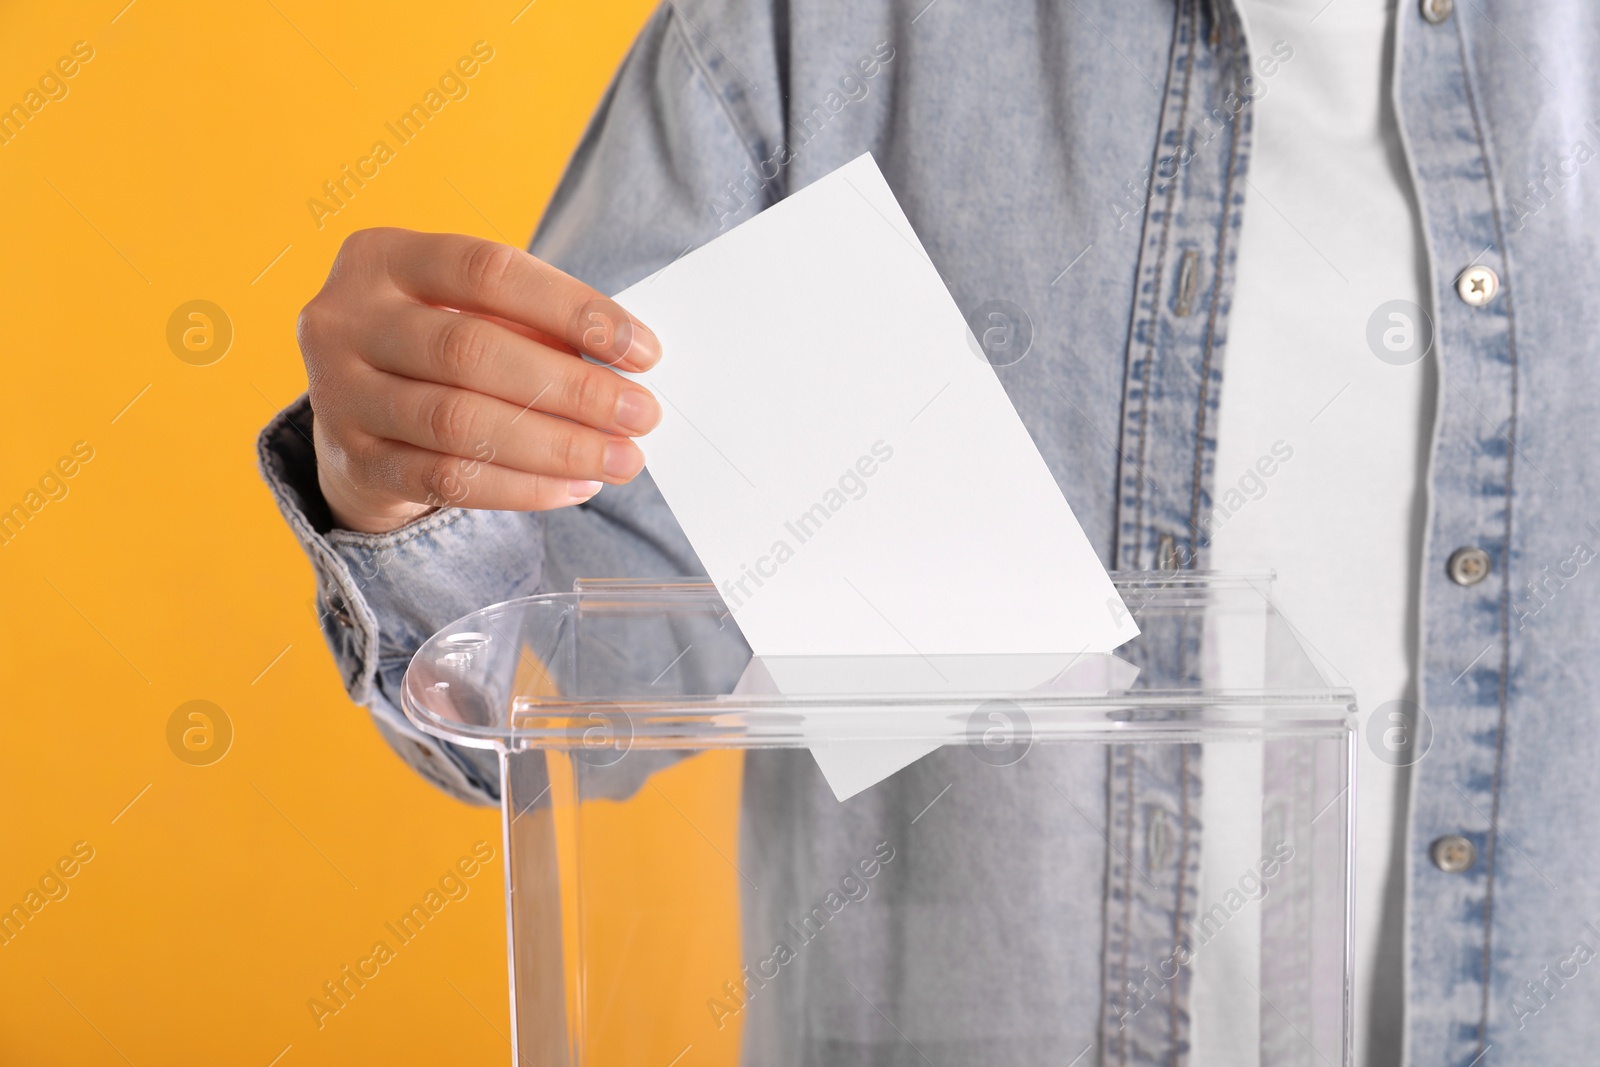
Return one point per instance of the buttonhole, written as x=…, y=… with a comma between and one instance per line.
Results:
x=1188, y=277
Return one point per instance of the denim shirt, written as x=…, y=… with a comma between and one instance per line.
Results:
x=1084, y=161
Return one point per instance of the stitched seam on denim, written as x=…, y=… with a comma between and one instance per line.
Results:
x=1234, y=152
x=439, y=520
x=1505, y=594
x=267, y=464
x=331, y=565
x=1180, y=882
x=1127, y=934
x=1155, y=295
x=1127, y=897
x=1133, y=319
x=1184, y=778
x=1177, y=907
x=698, y=61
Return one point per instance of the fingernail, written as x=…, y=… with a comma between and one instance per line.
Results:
x=622, y=459
x=581, y=491
x=637, y=411
x=637, y=344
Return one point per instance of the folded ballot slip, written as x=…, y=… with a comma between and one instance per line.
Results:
x=844, y=459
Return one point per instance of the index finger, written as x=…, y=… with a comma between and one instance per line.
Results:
x=488, y=278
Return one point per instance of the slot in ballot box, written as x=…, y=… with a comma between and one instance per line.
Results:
x=1133, y=858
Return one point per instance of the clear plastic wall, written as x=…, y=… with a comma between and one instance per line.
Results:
x=1131, y=859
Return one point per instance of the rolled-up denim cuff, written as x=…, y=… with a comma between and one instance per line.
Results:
x=416, y=579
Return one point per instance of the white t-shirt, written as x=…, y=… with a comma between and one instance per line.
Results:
x=1331, y=233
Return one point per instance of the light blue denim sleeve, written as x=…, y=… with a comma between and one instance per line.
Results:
x=636, y=194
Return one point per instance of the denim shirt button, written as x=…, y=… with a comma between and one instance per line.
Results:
x=1452, y=853
x=1436, y=11
x=1468, y=566
x=1477, y=285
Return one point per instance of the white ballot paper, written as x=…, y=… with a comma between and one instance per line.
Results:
x=852, y=759
x=844, y=459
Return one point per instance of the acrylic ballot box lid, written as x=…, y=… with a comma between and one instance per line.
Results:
x=663, y=661
x=1149, y=851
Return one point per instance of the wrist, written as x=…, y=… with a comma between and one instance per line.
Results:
x=349, y=512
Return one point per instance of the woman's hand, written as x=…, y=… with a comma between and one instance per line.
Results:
x=446, y=370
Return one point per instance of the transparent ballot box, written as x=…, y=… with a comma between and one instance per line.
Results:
x=1134, y=858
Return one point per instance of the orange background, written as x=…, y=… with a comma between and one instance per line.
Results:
x=177, y=168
